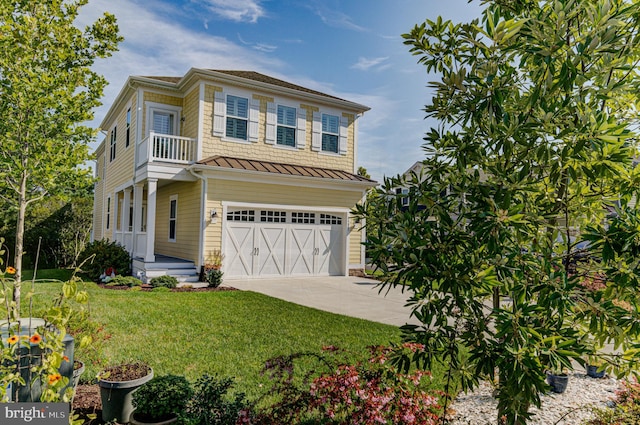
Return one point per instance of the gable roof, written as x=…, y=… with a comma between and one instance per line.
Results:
x=247, y=76
x=282, y=169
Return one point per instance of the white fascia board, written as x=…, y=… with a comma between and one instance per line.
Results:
x=164, y=172
x=281, y=179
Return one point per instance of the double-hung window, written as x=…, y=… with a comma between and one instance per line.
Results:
x=128, y=129
x=237, y=117
x=330, y=133
x=286, y=133
x=114, y=138
x=108, y=213
x=173, y=217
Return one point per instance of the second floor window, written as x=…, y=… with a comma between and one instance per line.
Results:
x=128, y=129
x=237, y=117
x=330, y=133
x=286, y=126
x=163, y=122
x=114, y=137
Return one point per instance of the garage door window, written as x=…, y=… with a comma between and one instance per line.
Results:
x=330, y=219
x=273, y=216
x=243, y=215
x=303, y=217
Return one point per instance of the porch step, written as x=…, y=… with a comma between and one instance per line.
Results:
x=184, y=271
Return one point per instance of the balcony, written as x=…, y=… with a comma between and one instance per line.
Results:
x=167, y=148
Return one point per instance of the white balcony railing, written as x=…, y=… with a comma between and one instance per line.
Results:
x=167, y=148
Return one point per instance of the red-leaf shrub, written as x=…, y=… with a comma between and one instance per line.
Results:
x=339, y=393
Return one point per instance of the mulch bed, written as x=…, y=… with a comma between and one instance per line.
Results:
x=148, y=288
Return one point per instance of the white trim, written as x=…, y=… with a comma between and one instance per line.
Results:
x=161, y=107
x=201, y=105
x=271, y=123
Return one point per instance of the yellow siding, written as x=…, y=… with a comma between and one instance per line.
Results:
x=355, y=246
x=266, y=152
x=188, y=222
x=190, y=114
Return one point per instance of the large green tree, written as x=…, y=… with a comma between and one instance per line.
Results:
x=532, y=158
x=47, y=90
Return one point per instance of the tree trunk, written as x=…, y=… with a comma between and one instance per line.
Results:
x=22, y=209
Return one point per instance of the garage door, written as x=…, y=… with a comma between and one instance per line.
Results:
x=261, y=242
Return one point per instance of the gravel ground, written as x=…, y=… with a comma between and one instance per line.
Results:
x=569, y=408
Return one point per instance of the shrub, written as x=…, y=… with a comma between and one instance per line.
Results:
x=165, y=281
x=211, y=405
x=213, y=277
x=129, y=281
x=101, y=255
x=339, y=393
x=161, y=289
x=162, y=397
x=626, y=410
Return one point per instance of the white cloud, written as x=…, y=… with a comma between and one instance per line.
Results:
x=234, y=10
x=334, y=18
x=157, y=45
x=366, y=64
x=263, y=47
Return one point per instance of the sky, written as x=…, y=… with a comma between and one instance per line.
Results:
x=351, y=49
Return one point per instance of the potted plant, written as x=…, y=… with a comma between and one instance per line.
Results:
x=595, y=367
x=161, y=401
x=558, y=380
x=117, y=385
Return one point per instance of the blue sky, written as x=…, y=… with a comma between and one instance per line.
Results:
x=348, y=48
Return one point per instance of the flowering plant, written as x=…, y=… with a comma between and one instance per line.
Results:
x=32, y=351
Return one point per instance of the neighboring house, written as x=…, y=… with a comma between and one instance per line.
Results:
x=258, y=168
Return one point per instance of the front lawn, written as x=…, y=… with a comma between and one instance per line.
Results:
x=228, y=333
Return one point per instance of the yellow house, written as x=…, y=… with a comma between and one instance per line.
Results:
x=257, y=168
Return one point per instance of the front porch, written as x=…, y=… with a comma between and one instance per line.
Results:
x=183, y=270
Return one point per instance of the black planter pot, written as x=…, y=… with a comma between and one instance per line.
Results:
x=558, y=383
x=117, y=398
x=593, y=372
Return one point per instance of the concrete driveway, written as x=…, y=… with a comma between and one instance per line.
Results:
x=350, y=296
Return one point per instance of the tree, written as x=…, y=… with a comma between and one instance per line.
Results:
x=531, y=160
x=47, y=89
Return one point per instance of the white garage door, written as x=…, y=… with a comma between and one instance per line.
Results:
x=260, y=242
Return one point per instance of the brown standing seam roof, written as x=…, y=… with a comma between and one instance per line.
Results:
x=282, y=169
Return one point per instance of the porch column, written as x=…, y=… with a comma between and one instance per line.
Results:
x=137, y=217
x=126, y=235
x=152, y=187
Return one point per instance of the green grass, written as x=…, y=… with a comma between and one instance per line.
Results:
x=226, y=333
x=48, y=274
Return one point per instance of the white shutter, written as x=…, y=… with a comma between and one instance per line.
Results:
x=342, y=144
x=271, y=123
x=254, y=116
x=219, y=113
x=316, y=139
x=301, y=132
